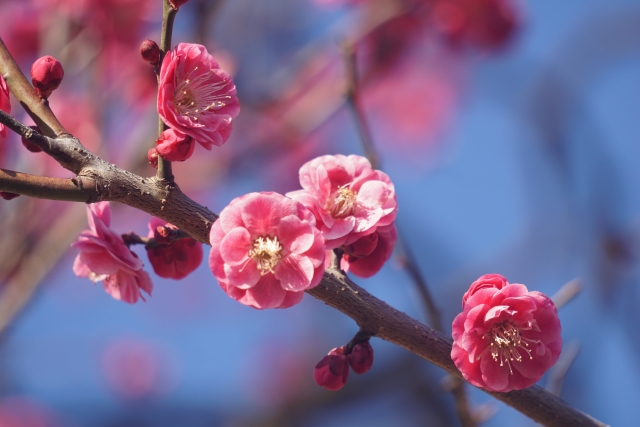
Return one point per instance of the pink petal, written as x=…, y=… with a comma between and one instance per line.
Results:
x=243, y=276
x=373, y=194
x=267, y=294
x=235, y=246
x=261, y=214
x=291, y=299
x=294, y=272
x=294, y=235
x=495, y=377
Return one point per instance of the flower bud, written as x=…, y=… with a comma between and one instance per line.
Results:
x=361, y=357
x=332, y=371
x=30, y=145
x=152, y=156
x=150, y=51
x=172, y=259
x=8, y=196
x=177, y=3
x=46, y=75
x=175, y=146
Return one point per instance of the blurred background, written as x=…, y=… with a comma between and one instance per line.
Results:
x=510, y=129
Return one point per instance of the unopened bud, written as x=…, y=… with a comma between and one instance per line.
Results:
x=332, y=371
x=152, y=156
x=361, y=357
x=8, y=196
x=30, y=145
x=175, y=146
x=150, y=51
x=177, y=3
x=46, y=75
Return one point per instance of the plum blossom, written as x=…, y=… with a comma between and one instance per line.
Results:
x=506, y=338
x=104, y=257
x=486, y=281
x=266, y=250
x=366, y=256
x=5, y=104
x=174, y=146
x=196, y=97
x=347, y=196
x=174, y=260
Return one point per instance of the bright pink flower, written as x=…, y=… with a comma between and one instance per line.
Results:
x=366, y=256
x=104, y=257
x=496, y=281
x=266, y=250
x=46, y=75
x=195, y=96
x=506, y=339
x=174, y=260
x=332, y=371
x=348, y=198
x=175, y=146
x=361, y=357
x=5, y=104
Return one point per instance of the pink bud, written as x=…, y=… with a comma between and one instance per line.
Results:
x=8, y=196
x=332, y=371
x=175, y=146
x=172, y=259
x=150, y=51
x=362, y=247
x=361, y=357
x=30, y=145
x=177, y=3
x=152, y=156
x=46, y=75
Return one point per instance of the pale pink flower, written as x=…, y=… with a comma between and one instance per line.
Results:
x=5, y=104
x=366, y=256
x=497, y=281
x=104, y=257
x=347, y=196
x=506, y=339
x=195, y=96
x=266, y=250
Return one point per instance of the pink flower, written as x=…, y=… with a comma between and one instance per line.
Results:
x=496, y=281
x=174, y=260
x=332, y=371
x=46, y=75
x=506, y=339
x=366, y=256
x=5, y=104
x=195, y=96
x=266, y=250
x=361, y=357
x=104, y=257
x=174, y=146
x=348, y=198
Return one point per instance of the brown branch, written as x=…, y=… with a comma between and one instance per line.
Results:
x=71, y=190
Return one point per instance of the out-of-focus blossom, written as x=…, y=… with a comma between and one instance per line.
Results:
x=347, y=196
x=486, y=24
x=131, y=368
x=150, y=51
x=332, y=372
x=506, y=339
x=30, y=145
x=8, y=196
x=104, y=257
x=266, y=250
x=366, y=256
x=195, y=96
x=336, y=3
x=361, y=357
x=496, y=281
x=175, y=146
x=5, y=104
x=22, y=411
x=46, y=75
x=174, y=260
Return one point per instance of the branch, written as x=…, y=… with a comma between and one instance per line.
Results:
x=70, y=190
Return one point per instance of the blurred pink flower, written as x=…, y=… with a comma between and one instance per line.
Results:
x=104, y=257
x=5, y=104
x=366, y=256
x=195, y=96
x=506, y=339
x=175, y=146
x=496, y=281
x=174, y=260
x=132, y=368
x=23, y=411
x=266, y=250
x=348, y=198
x=332, y=372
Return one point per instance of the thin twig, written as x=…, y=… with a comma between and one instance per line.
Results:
x=456, y=384
x=567, y=292
x=558, y=372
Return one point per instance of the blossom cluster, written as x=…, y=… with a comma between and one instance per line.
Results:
x=332, y=372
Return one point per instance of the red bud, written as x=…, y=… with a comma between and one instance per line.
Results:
x=8, y=196
x=46, y=75
x=361, y=357
x=150, y=51
x=152, y=156
x=332, y=371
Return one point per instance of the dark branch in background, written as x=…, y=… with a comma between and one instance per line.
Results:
x=168, y=16
x=456, y=385
x=371, y=314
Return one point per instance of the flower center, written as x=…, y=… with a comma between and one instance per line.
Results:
x=196, y=96
x=267, y=251
x=343, y=203
x=507, y=343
